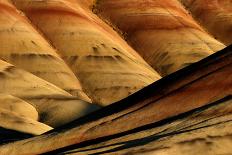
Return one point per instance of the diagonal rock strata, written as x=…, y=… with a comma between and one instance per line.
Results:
x=148, y=106
x=186, y=112
x=176, y=135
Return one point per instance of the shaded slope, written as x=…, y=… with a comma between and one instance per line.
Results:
x=57, y=111
x=40, y=93
x=214, y=15
x=24, y=47
x=107, y=68
x=161, y=31
x=8, y=135
x=198, y=85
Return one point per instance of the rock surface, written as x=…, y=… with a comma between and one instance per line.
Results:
x=19, y=106
x=214, y=15
x=48, y=99
x=23, y=46
x=143, y=123
x=16, y=114
x=107, y=71
x=57, y=54
x=163, y=32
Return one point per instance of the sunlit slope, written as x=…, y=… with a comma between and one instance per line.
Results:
x=19, y=115
x=59, y=107
x=162, y=31
x=51, y=50
x=214, y=15
x=22, y=84
x=13, y=121
x=19, y=106
x=22, y=45
x=177, y=112
x=107, y=71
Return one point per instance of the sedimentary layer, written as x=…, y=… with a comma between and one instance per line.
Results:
x=162, y=31
x=108, y=69
x=54, y=105
x=214, y=15
x=171, y=110
x=23, y=46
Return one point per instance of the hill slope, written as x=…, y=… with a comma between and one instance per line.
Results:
x=60, y=60
x=143, y=119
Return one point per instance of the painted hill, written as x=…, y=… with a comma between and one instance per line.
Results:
x=211, y=14
x=115, y=77
x=142, y=123
x=163, y=32
x=90, y=50
x=27, y=49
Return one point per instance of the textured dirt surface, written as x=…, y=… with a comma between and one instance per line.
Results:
x=163, y=32
x=214, y=15
x=148, y=108
x=23, y=46
x=118, y=77
x=90, y=51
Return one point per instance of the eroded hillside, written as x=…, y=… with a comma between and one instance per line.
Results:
x=157, y=73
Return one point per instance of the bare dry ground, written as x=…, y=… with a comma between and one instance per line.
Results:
x=157, y=73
